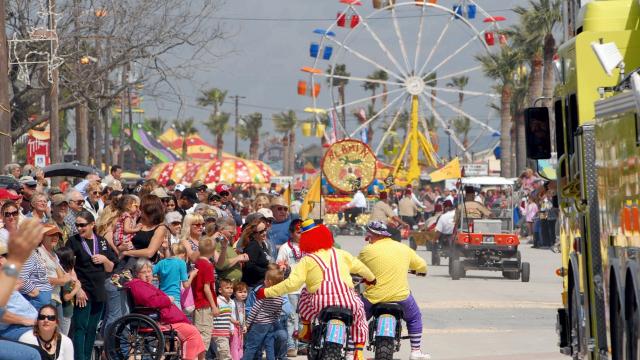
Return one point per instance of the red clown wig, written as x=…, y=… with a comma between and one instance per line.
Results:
x=315, y=237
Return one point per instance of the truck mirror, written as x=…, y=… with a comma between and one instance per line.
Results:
x=538, y=133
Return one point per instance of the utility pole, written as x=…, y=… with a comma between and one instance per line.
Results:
x=5, y=110
x=125, y=69
x=237, y=99
x=54, y=119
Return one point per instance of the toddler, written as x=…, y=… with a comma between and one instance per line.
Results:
x=240, y=292
x=224, y=323
x=172, y=272
x=126, y=227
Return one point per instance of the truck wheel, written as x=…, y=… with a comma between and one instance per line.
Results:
x=331, y=351
x=526, y=268
x=456, y=270
x=435, y=257
x=384, y=348
x=412, y=243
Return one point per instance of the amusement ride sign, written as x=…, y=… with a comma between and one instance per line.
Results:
x=348, y=165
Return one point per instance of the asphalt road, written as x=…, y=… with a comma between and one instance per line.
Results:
x=484, y=316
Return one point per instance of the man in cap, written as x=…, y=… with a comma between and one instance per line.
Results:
x=7, y=195
x=29, y=185
x=161, y=193
x=228, y=204
x=382, y=212
x=59, y=210
x=170, y=185
x=188, y=200
x=279, y=232
x=201, y=190
x=390, y=262
x=472, y=209
x=76, y=205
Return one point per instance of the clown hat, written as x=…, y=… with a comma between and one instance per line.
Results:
x=315, y=237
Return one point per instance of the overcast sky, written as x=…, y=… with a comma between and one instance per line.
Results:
x=270, y=43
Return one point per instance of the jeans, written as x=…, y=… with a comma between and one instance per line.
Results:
x=293, y=322
x=263, y=333
x=113, y=309
x=43, y=298
x=16, y=350
x=85, y=324
x=13, y=332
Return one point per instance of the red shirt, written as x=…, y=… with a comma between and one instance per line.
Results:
x=205, y=276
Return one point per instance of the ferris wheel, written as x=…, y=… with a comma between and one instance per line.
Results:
x=404, y=66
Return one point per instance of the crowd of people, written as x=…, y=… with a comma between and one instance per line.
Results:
x=224, y=267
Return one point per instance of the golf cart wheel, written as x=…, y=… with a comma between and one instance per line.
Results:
x=456, y=270
x=435, y=257
x=412, y=243
x=526, y=268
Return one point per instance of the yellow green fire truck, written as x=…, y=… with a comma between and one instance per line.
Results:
x=598, y=177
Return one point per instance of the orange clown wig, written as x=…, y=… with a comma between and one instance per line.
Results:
x=315, y=237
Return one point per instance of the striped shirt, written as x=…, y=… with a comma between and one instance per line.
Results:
x=265, y=311
x=34, y=275
x=222, y=325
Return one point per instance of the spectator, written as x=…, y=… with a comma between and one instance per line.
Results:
x=203, y=292
x=229, y=264
x=93, y=202
x=201, y=191
x=237, y=337
x=279, y=232
x=173, y=221
x=39, y=208
x=148, y=186
x=187, y=201
x=172, y=273
x=128, y=208
x=106, y=222
x=170, y=185
x=82, y=185
x=254, y=239
x=94, y=261
x=47, y=336
x=70, y=289
x=12, y=170
x=76, y=203
x=59, y=210
x=191, y=234
x=227, y=200
x=407, y=208
x=145, y=294
x=224, y=323
x=6, y=195
x=57, y=276
x=262, y=200
x=35, y=281
x=10, y=213
x=114, y=179
x=28, y=185
x=171, y=203
x=429, y=201
x=148, y=240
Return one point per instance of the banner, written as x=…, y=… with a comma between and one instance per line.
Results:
x=348, y=165
x=449, y=171
x=38, y=148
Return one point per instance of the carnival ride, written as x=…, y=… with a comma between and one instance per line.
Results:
x=382, y=40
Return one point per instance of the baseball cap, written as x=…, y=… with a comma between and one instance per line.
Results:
x=214, y=197
x=172, y=217
x=160, y=192
x=58, y=199
x=278, y=201
x=50, y=229
x=180, y=187
x=220, y=188
x=198, y=184
x=267, y=213
x=190, y=194
x=28, y=180
x=253, y=217
x=8, y=195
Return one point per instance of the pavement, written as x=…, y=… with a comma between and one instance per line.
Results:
x=484, y=316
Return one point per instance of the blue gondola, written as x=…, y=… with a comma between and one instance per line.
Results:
x=326, y=54
x=472, y=9
x=314, y=49
x=458, y=10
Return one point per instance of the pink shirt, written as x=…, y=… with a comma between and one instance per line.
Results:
x=531, y=211
x=118, y=230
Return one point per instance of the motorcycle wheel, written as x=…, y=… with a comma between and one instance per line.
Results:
x=331, y=351
x=384, y=348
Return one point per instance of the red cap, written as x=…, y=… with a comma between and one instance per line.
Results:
x=7, y=195
x=222, y=187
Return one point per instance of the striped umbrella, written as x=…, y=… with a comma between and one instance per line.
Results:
x=234, y=171
x=177, y=171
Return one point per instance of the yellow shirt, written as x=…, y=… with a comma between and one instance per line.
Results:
x=390, y=262
x=308, y=272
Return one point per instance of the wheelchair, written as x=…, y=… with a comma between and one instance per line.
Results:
x=139, y=336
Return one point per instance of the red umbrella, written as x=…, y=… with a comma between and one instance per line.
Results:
x=494, y=19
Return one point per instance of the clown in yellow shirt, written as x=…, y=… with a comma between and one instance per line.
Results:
x=326, y=273
x=391, y=261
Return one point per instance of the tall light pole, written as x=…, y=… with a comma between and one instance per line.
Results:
x=5, y=110
x=237, y=99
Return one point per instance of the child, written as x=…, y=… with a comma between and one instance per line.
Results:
x=203, y=290
x=264, y=320
x=240, y=292
x=224, y=323
x=70, y=289
x=288, y=256
x=126, y=227
x=172, y=272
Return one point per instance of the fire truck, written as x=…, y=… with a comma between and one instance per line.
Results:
x=597, y=137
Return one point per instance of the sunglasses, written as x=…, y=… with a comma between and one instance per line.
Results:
x=262, y=232
x=47, y=317
x=77, y=202
x=8, y=214
x=81, y=225
x=224, y=193
x=95, y=192
x=198, y=224
x=176, y=223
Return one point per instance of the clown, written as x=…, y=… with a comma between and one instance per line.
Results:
x=326, y=273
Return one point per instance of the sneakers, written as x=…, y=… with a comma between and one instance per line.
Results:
x=418, y=355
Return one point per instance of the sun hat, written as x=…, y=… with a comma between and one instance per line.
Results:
x=378, y=228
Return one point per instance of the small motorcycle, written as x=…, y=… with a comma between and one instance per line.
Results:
x=385, y=329
x=330, y=334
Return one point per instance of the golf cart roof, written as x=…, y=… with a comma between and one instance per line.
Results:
x=487, y=180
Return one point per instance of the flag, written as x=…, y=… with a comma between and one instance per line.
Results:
x=450, y=171
x=287, y=194
x=313, y=197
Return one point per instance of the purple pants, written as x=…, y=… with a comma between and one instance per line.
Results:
x=412, y=315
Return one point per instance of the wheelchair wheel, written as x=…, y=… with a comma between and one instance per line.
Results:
x=134, y=336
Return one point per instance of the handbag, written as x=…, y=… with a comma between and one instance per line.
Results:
x=186, y=300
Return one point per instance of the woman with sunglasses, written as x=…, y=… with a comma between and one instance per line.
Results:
x=46, y=335
x=93, y=202
x=9, y=213
x=254, y=245
x=94, y=261
x=192, y=230
x=57, y=276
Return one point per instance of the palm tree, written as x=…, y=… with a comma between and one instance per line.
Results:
x=519, y=102
x=218, y=125
x=501, y=67
x=249, y=129
x=185, y=128
x=155, y=126
x=212, y=97
x=286, y=123
x=461, y=124
x=340, y=70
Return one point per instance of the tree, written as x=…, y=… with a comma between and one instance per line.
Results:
x=340, y=83
x=212, y=97
x=218, y=125
x=380, y=75
x=249, y=129
x=286, y=123
x=501, y=67
x=185, y=128
x=461, y=124
x=519, y=102
x=155, y=126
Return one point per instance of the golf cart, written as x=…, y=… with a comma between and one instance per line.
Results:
x=488, y=243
